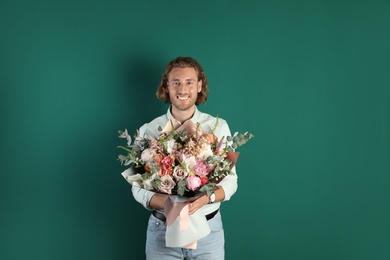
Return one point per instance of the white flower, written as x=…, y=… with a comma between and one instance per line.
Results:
x=190, y=163
x=170, y=144
x=148, y=183
x=206, y=152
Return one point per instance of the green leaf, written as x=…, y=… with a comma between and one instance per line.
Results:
x=208, y=188
x=181, y=187
x=216, y=124
x=125, y=148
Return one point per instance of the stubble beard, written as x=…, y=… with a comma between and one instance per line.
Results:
x=183, y=106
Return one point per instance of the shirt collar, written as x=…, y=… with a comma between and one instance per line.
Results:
x=194, y=118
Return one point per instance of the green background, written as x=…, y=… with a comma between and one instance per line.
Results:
x=311, y=80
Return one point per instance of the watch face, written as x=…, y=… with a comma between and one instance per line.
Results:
x=212, y=198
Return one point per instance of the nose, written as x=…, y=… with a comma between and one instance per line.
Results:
x=182, y=86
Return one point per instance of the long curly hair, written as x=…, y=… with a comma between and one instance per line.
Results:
x=183, y=62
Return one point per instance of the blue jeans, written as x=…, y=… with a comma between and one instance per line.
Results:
x=211, y=247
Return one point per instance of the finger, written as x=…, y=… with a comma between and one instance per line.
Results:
x=192, y=208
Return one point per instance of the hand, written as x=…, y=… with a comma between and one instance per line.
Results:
x=197, y=203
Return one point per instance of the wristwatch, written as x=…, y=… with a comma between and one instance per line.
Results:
x=212, y=198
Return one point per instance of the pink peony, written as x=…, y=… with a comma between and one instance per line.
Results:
x=193, y=182
x=201, y=169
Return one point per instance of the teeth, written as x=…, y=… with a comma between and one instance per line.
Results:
x=182, y=98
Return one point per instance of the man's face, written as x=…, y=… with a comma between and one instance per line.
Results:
x=183, y=88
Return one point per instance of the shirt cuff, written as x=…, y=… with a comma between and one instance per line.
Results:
x=142, y=196
x=229, y=185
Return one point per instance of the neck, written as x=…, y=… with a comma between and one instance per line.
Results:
x=182, y=115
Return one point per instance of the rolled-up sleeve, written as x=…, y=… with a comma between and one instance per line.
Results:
x=229, y=185
x=142, y=196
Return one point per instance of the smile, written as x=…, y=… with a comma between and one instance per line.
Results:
x=183, y=97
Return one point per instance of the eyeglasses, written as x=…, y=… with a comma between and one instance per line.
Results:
x=177, y=83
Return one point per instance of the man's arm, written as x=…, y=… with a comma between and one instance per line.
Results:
x=142, y=196
x=204, y=200
x=157, y=201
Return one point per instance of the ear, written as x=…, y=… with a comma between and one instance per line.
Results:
x=200, y=84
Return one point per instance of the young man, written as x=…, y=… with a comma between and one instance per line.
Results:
x=184, y=86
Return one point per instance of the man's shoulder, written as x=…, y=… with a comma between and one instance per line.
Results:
x=210, y=122
x=151, y=128
x=209, y=118
x=158, y=120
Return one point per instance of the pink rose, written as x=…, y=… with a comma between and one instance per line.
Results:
x=158, y=158
x=166, y=165
x=179, y=173
x=204, y=181
x=193, y=182
x=167, y=184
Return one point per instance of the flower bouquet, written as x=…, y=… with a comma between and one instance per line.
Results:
x=180, y=161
